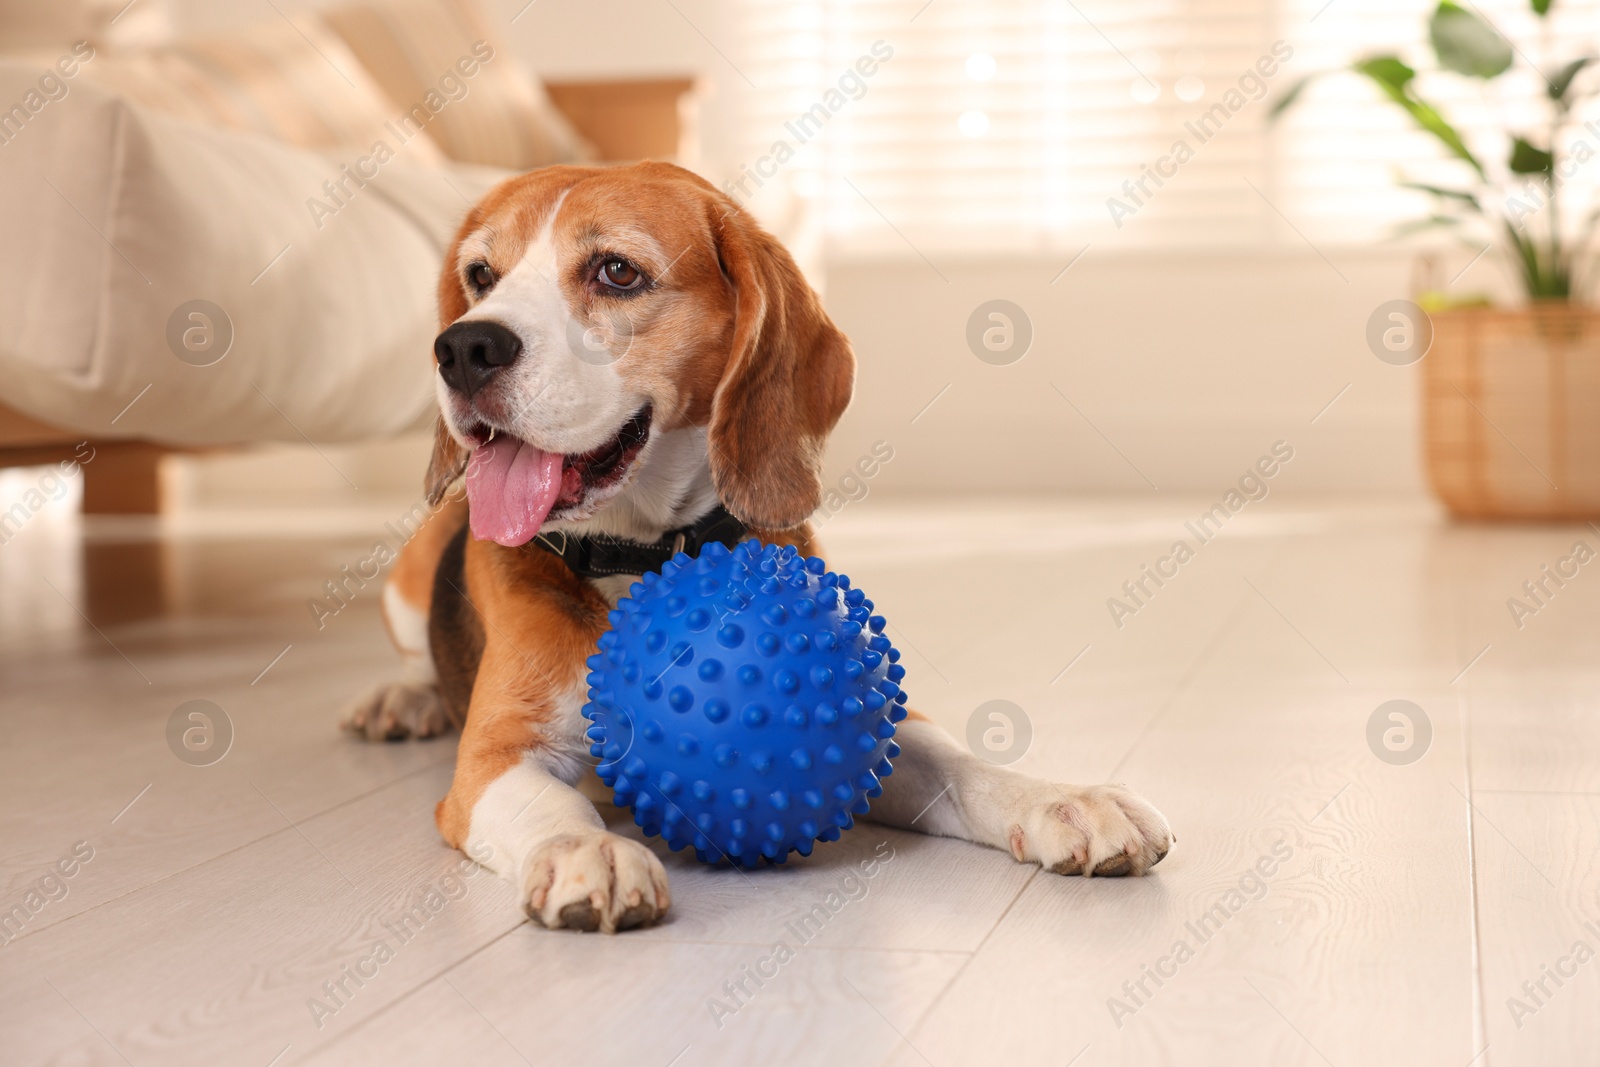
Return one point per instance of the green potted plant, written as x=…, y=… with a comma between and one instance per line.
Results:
x=1511, y=401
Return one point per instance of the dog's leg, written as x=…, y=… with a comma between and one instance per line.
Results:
x=940, y=788
x=411, y=706
x=513, y=806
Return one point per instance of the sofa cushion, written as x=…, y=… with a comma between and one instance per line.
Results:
x=288, y=77
x=118, y=219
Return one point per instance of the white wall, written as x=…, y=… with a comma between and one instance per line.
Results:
x=1191, y=364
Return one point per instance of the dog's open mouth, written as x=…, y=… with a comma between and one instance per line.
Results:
x=513, y=486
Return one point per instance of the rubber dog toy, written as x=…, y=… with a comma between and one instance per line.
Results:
x=744, y=703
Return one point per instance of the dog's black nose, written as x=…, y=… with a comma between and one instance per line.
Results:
x=470, y=353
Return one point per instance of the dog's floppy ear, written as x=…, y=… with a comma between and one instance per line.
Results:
x=787, y=381
x=449, y=458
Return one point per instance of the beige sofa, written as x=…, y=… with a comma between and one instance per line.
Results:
x=231, y=240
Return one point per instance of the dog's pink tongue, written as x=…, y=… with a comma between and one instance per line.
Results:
x=511, y=487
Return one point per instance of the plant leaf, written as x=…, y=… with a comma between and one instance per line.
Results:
x=1394, y=78
x=1527, y=260
x=1541, y=7
x=1466, y=43
x=1447, y=194
x=1388, y=71
x=1529, y=159
x=1286, y=101
x=1561, y=80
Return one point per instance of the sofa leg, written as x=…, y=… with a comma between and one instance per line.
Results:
x=124, y=478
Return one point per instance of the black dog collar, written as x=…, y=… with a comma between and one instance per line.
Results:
x=601, y=557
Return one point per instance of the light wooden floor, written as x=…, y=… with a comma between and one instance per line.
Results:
x=1415, y=900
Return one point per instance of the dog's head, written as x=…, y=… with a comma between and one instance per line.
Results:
x=596, y=321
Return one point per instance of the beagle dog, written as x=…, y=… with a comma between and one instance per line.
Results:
x=629, y=366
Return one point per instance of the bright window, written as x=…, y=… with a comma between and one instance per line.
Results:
x=1003, y=125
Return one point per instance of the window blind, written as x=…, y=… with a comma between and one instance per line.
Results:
x=1002, y=125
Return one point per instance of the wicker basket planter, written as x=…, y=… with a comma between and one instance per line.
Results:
x=1511, y=411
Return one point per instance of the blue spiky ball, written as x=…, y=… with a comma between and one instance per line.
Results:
x=744, y=703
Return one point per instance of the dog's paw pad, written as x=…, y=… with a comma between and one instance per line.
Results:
x=580, y=916
x=1115, y=867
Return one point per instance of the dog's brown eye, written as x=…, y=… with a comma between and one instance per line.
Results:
x=620, y=274
x=480, y=276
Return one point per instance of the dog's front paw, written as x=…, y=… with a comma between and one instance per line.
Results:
x=1103, y=829
x=395, y=711
x=594, y=881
